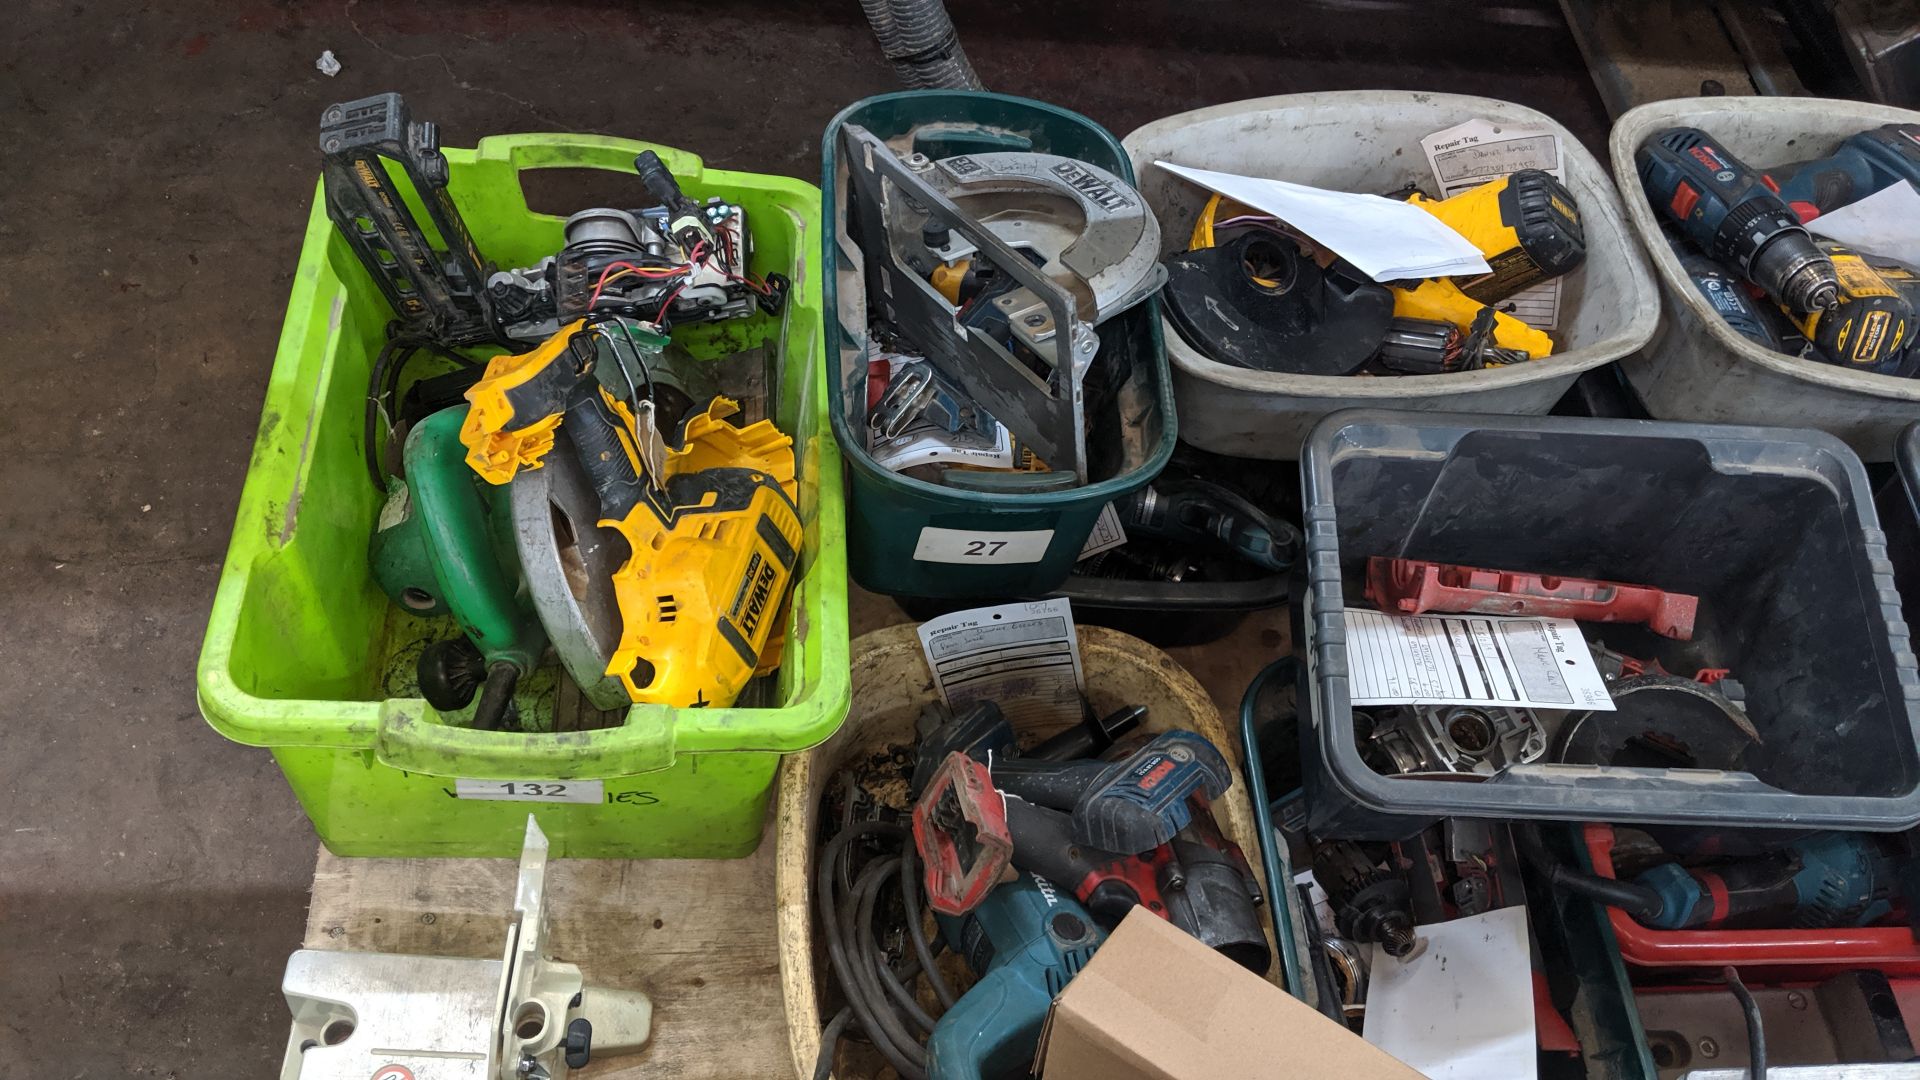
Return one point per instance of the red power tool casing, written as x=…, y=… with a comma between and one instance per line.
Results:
x=1112, y=884
x=1412, y=586
x=960, y=830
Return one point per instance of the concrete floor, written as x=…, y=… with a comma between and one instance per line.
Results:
x=159, y=163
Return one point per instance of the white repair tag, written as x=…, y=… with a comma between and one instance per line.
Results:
x=1024, y=656
x=1530, y=663
x=567, y=791
x=974, y=546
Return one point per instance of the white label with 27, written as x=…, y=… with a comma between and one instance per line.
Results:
x=976, y=546
x=565, y=791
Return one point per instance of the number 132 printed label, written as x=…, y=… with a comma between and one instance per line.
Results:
x=974, y=546
x=566, y=791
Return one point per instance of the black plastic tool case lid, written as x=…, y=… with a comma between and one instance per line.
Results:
x=1774, y=529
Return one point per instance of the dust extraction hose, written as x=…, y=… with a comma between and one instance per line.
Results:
x=919, y=40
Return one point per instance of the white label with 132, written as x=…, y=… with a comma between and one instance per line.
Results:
x=566, y=791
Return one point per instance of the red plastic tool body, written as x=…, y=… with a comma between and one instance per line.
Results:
x=960, y=831
x=1413, y=586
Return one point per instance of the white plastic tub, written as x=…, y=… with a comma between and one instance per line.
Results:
x=1696, y=367
x=1369, y=141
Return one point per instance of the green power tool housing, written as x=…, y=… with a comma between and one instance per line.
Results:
x=445, y=546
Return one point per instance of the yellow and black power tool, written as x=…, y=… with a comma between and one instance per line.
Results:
x=711, y=520
x=1871, y=326
x=1527, y=226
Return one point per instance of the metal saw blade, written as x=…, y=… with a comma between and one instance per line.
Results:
x=568, y=561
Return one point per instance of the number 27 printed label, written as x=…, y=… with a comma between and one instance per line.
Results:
x=971, y=546
x=566, y=791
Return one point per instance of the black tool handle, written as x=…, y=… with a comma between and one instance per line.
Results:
x=683, y=214
x=1090, y=737
x=661, y=184
x=496, y=696
x=610, y=467
x=1047, y=783
x=1043, y=844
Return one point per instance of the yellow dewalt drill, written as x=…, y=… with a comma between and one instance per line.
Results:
x=1527, y=226
x=1871, y=325
x=712, y=523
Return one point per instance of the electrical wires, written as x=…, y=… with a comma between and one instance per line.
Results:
x=857, y=911
x=617, y=270
x=1756, y=1031
x=383, y=388
x=716, y=257
x=859, y=965
x=597, y=323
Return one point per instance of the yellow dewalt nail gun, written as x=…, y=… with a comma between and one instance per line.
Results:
x=712, y=523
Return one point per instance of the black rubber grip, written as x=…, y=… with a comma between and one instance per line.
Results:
x=1045, y=783
x=1043, y=844
x=596, y=439
x=661, y=184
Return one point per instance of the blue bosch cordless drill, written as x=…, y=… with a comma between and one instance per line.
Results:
x=1865, y=163
x=1730, y=212
x=1025, y=940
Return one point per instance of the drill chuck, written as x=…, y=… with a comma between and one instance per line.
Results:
x=1794, y=269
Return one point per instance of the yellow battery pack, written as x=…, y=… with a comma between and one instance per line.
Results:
x=1526, y=225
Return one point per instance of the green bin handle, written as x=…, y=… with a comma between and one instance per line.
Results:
x=410, y=740
x=547, y=150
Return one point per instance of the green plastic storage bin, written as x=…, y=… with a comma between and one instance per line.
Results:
x=305, y=656
x=890, y=511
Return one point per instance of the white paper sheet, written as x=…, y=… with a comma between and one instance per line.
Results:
x=1023, y=657
x=1462, y=1007
x=1384, y=239
x=1470, y=154
x=1886, y=222
x=1471, y=660
x=1107, y=533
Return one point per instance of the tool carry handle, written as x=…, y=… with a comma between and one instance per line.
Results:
x=610, y=462
x=526, y=151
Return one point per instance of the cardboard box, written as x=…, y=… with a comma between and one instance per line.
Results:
x=1155, y=1004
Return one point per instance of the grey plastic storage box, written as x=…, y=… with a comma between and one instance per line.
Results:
x=1697, y=367
x=1898, y=501
x=1369, y=141
x=1773, y=529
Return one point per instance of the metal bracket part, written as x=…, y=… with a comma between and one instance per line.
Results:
x=522, y=1017
x=1882, y=41
x=1849, y=1027
x=1039, y=395
x=1105, y=249
x=1458, y=738
x=915, y=391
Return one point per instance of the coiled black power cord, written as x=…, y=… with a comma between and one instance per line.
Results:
x=881, y=1004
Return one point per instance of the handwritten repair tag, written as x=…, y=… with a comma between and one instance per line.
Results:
x=1527, y=662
